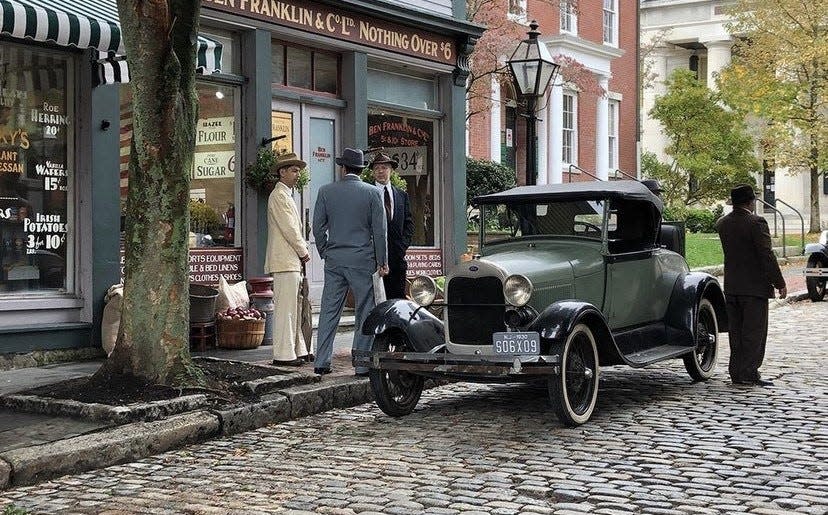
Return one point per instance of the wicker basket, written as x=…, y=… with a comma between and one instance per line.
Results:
x=240, y=334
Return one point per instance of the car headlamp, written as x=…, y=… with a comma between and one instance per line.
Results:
x=517, y=290
x=423, y=290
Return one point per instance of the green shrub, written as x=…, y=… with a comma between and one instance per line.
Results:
x=702, y=220
x=484, y=177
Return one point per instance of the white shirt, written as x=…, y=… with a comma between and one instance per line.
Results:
x=390, y=194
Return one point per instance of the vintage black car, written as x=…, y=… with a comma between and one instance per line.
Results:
x=570, y=277
x=816, y=273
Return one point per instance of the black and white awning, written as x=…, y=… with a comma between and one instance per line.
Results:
x=87, y=24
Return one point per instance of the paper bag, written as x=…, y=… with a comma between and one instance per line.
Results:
x=379, y=288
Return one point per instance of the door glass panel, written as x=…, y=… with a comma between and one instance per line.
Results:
x=299, y=68
x=325, y=73
x=321, y=158
x=278, y=62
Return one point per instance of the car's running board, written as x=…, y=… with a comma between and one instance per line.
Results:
x=660, y=353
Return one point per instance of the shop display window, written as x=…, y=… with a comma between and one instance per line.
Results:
x=36, y=171
x=214, y=188
x=410, y=141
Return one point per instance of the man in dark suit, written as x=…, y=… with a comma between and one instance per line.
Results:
x=349, y=227
x=400, y=224
x=750, y=275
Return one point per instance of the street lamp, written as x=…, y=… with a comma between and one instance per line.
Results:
x=532, y=68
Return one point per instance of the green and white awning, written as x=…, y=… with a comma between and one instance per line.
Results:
x=87, y=24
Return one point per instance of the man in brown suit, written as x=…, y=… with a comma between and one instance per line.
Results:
x=750, y=275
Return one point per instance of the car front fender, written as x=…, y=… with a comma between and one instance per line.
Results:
x=424, y=330
x=816, y=248
x=559, y=318
x=682, y=311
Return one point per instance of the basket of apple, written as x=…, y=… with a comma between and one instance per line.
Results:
x=240, y=328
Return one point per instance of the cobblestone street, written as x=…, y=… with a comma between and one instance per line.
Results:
x=657, y=444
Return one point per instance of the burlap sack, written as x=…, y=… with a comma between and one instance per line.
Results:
x=111, y=317
x=234, y=296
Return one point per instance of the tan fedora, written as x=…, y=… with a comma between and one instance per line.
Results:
x=290, y=159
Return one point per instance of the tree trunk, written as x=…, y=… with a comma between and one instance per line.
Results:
x=153, y=341
x=815, y=225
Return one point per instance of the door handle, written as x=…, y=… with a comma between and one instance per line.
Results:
x=307, y=224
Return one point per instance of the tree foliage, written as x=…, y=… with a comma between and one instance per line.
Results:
x=709, y=147
x=779, y=75
x=484, y=177
x=153, y=339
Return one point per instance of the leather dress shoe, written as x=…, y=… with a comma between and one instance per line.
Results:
x=309, y=358
x=763, y=382
x=321, y=371
x=361, y=374
x=298, y=362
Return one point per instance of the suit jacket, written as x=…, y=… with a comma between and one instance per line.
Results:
x=285, y=243
x=750, y=267
x=349, y=225
x=400, y=230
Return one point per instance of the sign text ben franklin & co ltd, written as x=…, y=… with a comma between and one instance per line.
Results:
x=329, y=21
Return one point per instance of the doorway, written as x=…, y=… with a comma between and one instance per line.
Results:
x=313, y=132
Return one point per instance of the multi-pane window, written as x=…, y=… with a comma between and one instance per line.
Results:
x=570, y=129
x=613, y=134
x=569, y=19
x=611, y=22
x=517, y=8
x=305, y=68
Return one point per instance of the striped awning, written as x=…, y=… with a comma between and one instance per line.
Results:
x=87, y=24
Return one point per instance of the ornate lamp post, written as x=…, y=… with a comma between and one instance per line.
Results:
x=532, y=68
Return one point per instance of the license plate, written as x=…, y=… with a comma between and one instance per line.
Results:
x=516, y=343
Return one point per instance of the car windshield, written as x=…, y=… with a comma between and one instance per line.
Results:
x=583, y=218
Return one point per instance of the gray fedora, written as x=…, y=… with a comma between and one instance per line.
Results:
x=352, y=158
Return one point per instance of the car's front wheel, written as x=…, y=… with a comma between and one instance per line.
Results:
x=574, y=391
x=395, y=391
x=701, y=362
x=816, y=285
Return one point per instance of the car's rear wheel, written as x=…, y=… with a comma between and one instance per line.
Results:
x=396, y=392
x=816, y=285
x=701, y=362
x=574, y=391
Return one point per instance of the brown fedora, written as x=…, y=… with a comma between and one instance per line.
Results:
x=290, y=159
x=381, y=158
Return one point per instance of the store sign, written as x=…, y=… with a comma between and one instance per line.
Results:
x=43, y=232
x=337, y=23
x=412, y=160
x=424, y=262
x=214, y=165
x=215, y=131
x=281, y=124
x=208, y=265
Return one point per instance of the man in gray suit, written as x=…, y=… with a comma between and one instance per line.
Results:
x=349, y=227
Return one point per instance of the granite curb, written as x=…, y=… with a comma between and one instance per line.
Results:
x=136, y=440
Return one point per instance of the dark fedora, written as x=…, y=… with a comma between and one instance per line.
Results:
x=742, y=194
x=352, y=158
x=381, y=158
x=653, y=185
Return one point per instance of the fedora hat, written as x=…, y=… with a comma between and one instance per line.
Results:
x=741, y=194
x=352, y=158
x=653, y=185
x=381, y=158
x=290, y=159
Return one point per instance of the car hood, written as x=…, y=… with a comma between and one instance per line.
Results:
x=544, y=259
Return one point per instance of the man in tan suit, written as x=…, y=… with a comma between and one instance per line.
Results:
x=750, y=275
x=287, y=251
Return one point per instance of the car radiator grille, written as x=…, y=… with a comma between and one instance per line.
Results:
x=474, y=324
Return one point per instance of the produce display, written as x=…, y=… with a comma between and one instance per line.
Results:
x=240, y=314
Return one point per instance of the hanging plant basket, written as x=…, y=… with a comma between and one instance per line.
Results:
x=261, y=176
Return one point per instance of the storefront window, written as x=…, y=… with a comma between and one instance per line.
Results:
x=305, y=68
x=214, y=188
x=411, y=141
x=36, y=171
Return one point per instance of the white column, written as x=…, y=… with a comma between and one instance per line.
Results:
x=542, y=132
x=652, y=137
x=555, y=153
x=494, y=122
x=718, y=57
x=602, y=131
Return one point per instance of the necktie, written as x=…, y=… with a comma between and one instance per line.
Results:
x=388, y=214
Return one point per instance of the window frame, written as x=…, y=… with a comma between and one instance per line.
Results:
x=313, y=51
x=514, y=15
x=568, y=18
x=571, y=131
x=610, y=22
x=613, y=113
